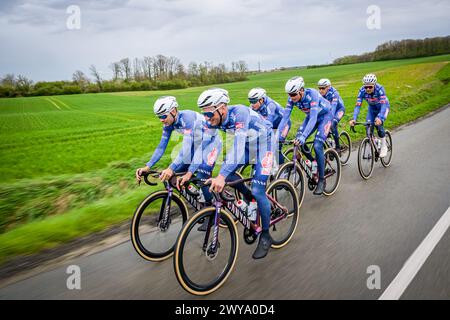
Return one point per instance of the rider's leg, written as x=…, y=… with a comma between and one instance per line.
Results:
x=262, y=172
x=335, y=133
x=280, y=146
x=324, y=126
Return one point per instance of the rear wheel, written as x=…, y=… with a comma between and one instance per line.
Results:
x=151, y=236
x=386, y=161
x=201, y=267
x=366, y=157
x=332, y=171
x=285, y=212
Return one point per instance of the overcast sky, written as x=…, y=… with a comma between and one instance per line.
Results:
x=35, y=40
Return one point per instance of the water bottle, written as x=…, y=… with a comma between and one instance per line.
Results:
x=242, y=205
x=308, y=163
x=252, y=207
x=314, y=167
x=200, y=197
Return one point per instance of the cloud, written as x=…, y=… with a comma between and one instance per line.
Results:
x=275, y=33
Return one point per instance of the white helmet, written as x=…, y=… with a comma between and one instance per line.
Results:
x=370, y=79
x=294, y=85
x=164, y=105
x=324, y=83
x=255, y=94
x=213, y=97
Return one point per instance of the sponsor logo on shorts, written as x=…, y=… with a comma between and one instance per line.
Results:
x=267, y=163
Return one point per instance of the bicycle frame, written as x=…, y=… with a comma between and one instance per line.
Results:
x=297, y=157
x=230, y=204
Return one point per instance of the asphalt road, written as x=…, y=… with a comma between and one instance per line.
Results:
x=376, y=222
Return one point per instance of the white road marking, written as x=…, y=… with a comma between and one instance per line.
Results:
x=395, y=290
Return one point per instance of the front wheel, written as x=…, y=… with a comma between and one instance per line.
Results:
x=366, y=156
x=202, y=263
x=346, y=147
x=296, y=177
x=386, y=161
x=156, y=224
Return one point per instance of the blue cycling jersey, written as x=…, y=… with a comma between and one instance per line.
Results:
x=272, y=111
x=192, y=126
x=245, y=124
x=313, y=104
x=377, y=99
x=337, y=104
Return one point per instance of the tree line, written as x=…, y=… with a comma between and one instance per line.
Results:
x=401, y=50
x=149, y=73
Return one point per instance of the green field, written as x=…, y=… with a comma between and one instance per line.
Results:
x=67, y=162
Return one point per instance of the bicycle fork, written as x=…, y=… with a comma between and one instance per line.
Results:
x=212, y=248
x=164, y=213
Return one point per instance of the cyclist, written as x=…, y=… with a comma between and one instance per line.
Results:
x=318, y=116
x=379, y=107
x=270, y=110
x=199, y=151
x=337, y=107
x=249, y=131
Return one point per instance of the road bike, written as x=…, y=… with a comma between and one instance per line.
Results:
x=203, y=261
x=159, y=217
x=369, y=150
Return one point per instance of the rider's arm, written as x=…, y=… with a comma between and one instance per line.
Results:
x=384, y=111
x=312, y=120
x=334, y=103
x=284, y=122
x=159, y=151
x=185, y=152
x=358, y=105
x=236, y=155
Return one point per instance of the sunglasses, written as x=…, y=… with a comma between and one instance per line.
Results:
x=210, y=114
x=253, y=101
x=368, y=87
x=293, y=94
x=163, y=117
x=322, y=88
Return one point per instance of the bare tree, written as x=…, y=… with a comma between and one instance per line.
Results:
x=96, y=76
x=138, y=73
x=80, y=79
x=126, y=68
x=117, y=72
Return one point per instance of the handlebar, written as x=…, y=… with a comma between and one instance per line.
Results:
x=366, y=124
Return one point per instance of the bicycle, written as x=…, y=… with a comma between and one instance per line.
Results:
x=332, y=170
x=153, y=235
x=369, y=150
x=204, y=261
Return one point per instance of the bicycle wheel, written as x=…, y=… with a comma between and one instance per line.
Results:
x=152, y=238
x=386, y=161
x=365, y=158
x=285, y=195
x=199, y=268
x=346, y=147
x=286, y=171
x=332, y=171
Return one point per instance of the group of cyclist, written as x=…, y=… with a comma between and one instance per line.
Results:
x=257, y=134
